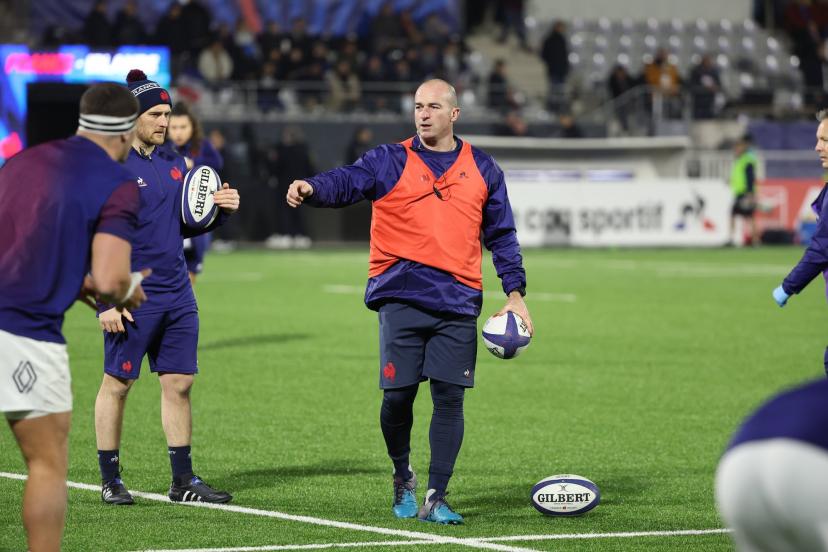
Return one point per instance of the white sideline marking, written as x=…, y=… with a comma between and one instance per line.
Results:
x=321, y=546
x=630, y=534
x=428, y=537
x=345, y=289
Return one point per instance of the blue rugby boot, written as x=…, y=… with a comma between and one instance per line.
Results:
x=405, y=501
x=436, y=510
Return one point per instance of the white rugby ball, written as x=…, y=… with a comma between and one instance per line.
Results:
x=198, y=208
x=565, y=495
x=506, y=336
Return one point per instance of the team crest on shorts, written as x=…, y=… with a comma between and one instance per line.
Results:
x=389, y=372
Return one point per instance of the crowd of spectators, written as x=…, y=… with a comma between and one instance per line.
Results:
x=341, y=74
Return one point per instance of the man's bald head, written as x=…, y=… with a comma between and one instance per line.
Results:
x=440, y=87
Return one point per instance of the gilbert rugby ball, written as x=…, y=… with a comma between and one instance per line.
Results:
x=506, y=336
x=198, y=209
x=565, y=495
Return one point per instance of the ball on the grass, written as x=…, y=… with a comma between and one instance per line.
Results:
x=565, y=495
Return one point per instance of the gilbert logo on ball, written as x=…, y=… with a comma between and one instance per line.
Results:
x=198, y=208
x=565, y=495
x=506, y=336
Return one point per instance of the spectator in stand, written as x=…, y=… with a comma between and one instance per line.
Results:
x=349, y=50
x=387, y=30
x=620, y=82
x=705, y=86
x=569, y=129
x=215, y=64
x=289, y=160
x=128, y=28
x=431, y=60
x=809, y=47
x=501, y=95
x=410, y=28
x=196, y=24
x=455, y=68
x=343, y=87
x=247, y=59
x=272, y=38
x=435, y=29
x=374, y=76
x=320, y=54
x=170, y=31
x=362, y=141
x=312, y=85
x=415, y=62
x=664, y=81
x=97, y=30
x=662, y=75
x=512, y=125
x=513, y=18
x=267, y=93
x=299, y=38
x=555, y=54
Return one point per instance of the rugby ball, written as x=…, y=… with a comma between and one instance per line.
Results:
x=506, y=336
x=565, y=495
x=198, y=209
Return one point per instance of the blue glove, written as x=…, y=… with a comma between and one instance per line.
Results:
x=780, y=296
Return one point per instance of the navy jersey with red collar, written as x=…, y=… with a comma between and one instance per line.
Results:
x=53, y=199
x=160, y=233
x=375, y=174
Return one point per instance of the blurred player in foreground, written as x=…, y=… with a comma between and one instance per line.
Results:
x=68, y=207
x=815, y=259
x=165, y=328
x=772, y=483
x=432, y=197
x=186, y=137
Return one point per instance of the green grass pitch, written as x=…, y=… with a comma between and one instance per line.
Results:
x=642, y=365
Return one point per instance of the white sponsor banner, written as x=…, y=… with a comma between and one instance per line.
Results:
x=638, y=213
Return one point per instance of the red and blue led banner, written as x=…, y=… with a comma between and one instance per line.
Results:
x=20, y=66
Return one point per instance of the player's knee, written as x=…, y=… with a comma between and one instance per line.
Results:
x=399, y=399
x=177, y=385
x=448, y=398
x=117, y=387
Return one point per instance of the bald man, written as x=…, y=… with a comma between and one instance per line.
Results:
x=432, y=195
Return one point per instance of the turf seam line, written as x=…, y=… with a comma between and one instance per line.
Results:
x=474, y=543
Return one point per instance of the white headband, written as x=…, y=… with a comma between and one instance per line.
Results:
x=106, y=124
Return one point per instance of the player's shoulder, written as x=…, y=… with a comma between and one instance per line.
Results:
x=486, y=164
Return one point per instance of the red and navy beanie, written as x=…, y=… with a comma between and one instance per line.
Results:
x=148, y=93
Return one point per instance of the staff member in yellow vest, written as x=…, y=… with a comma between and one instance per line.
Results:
x=433, y=197
x=744, y=186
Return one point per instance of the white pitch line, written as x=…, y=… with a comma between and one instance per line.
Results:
x=473, y=543
x=630, y=534
x=321, y=546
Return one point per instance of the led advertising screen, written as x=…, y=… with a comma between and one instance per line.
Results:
x=67, y=64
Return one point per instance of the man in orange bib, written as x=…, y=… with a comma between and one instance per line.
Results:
x=432, y=196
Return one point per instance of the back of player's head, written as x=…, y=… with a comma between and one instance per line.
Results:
x=108, y=108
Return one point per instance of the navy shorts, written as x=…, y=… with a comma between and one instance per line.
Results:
x=169, y=339
x=416, y=345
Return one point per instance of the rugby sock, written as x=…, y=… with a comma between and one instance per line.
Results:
x=445, y=434
x=108, y=460
x=181, y=464
x=396, y=419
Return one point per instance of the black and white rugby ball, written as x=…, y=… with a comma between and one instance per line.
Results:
x=565, y=495
x=198, y=208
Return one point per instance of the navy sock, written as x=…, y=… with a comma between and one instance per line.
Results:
x=181, y=463
x=396, y=419
x=445, y=434
x=109, y=463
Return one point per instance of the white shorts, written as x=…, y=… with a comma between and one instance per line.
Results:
x=34, y=377
x=774, y=495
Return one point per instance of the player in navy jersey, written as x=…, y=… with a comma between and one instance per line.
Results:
x=186, y=137
x=165, y=328
x=815, y=259
x=772, y=482
x=69, y=210
x=432, y=196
